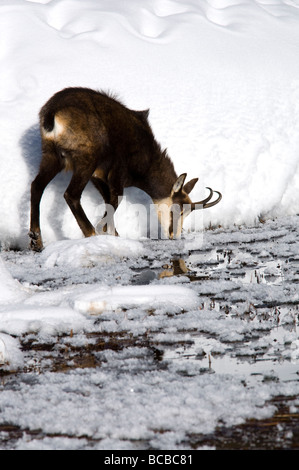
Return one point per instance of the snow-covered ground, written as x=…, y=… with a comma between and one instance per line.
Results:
x=152, y=349
x=129, y=342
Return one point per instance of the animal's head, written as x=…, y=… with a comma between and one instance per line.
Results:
x=173, y=209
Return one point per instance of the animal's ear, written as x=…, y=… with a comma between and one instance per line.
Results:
x=178, y=185
x=143, y=115
x=190, y=185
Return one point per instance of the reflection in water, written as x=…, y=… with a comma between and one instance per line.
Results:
x=203, y=355
x=177, y=267
x=237, y=266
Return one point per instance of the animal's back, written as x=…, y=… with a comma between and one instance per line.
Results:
x=87, y=105
x=95, y=122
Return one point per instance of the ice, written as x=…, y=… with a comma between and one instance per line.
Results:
x=129, y=342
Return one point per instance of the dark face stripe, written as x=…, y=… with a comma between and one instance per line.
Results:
x=178, y=220
x=171, y=225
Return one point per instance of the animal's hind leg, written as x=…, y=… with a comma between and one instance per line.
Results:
x=50, y=166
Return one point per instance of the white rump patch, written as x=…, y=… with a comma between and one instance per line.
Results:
x=56, y=131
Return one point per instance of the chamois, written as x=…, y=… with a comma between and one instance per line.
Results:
x=96, y=137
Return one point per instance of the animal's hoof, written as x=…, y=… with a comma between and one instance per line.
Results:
x=36, y=243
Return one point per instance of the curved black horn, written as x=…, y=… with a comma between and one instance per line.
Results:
x=204, y=204
x=204, y=201
x=211, y=204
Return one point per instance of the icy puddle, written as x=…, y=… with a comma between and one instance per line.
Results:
x=160, y=345
x=258, y=364
x=200, y=266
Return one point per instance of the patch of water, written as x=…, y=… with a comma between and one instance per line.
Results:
x=269, y=273
x=240, y=265
x=277, y=361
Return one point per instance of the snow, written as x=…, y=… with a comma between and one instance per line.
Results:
x=90, y=251
x=113, y=298
x=221, y=80
x=10, y=354
x=162, y=357
x=11, y=290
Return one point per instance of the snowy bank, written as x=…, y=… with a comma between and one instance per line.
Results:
x=97, y=250
x=221, y=79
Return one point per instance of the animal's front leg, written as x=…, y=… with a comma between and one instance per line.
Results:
x=72, y=197
x=115, y=197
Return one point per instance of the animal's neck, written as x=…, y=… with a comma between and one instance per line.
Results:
x=161, y=177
